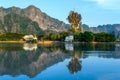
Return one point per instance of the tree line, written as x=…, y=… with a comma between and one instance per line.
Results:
x=81, y=37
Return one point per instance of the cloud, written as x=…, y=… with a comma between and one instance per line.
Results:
x=98, y=1
x=107, y=4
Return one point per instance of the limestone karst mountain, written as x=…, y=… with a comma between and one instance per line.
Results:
x=28, y=20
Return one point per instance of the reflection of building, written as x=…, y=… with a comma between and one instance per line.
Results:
x=117, y=47
x=29, y=47
x=74, y=65
x=69, y=46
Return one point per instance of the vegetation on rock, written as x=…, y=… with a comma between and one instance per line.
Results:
x=14, y=23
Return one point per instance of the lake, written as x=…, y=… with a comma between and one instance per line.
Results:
x=78, y=61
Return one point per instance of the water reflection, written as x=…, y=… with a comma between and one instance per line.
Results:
x=95, y=46
x=75, y=64
x=30, y=47
x=17, y=62
x=117, y=47
x=69, y=46
x=18, y=59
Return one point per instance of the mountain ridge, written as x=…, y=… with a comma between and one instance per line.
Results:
x=48, y=24
x=108, y=28
x=45, y=22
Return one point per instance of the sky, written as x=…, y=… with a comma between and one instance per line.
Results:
x=94, y=12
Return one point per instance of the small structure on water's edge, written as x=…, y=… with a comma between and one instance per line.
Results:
x=30, y=38
x=69, y=38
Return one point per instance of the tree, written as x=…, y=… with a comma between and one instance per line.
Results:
x=104, y=37
x=78, y=36
x=74, y=19
x=52, y=36
x=88, y=37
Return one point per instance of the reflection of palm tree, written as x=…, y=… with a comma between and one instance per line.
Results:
x=74, y=65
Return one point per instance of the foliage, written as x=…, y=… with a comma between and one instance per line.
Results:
x=104, y=37
x=88, y=37
x=82, y=37
x=11, y=36
x=78, y=36
x=74, y=19
x=23, y=23
x=54, y=37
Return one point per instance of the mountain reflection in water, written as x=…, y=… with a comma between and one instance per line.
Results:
x=32, y=59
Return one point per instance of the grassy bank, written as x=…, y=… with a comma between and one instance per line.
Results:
x=39, y=42
x=47, y=42
x=50, y=43
x=12, y=41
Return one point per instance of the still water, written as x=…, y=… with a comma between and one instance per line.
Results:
x=78, y=61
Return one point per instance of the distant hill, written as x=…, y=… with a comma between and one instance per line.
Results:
x=109, y=28
x=30, y=17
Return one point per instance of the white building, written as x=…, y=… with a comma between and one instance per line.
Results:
x=29, y=38
x=69, y=38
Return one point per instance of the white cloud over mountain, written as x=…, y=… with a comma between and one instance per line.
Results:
x=107, y=4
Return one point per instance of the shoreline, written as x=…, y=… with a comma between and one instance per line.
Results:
x=47, y=42
x=52, y=42
x=12, y=41
x=39, y=42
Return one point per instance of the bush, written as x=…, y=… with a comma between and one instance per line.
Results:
x=11, y=36
x=104, y=37
x=82, y=37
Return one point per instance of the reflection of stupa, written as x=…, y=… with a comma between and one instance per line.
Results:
x=74, y=65
x=29, y=47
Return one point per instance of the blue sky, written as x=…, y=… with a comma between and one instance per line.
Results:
x=94, y=12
